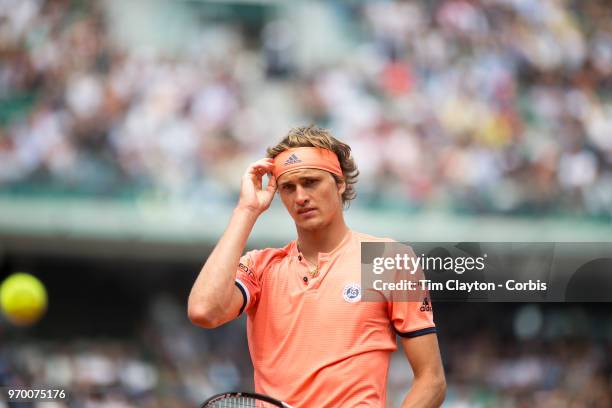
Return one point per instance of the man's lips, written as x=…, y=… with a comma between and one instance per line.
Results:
x=306, y=210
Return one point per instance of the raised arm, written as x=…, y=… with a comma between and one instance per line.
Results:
x=214, y=299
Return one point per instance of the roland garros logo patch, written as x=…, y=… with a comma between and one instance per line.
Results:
x=352, y=292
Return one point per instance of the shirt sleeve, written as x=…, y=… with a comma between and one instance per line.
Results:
x=248, y=278
x=251, y=271
x=412, y=315
x=412, y=319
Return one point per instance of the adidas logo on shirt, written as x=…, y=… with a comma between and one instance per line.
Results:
x=293, y=159
x=425, y=307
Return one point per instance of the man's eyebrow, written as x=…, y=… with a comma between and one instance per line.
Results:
x=301, y=178
x=310, y=176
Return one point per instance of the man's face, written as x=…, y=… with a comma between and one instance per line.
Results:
x=311, y=196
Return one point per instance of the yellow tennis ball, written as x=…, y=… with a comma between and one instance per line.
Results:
x=23, y=299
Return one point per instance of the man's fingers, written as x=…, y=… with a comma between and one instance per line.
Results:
x=257, y=170
x=261, y=167
x=271, y=184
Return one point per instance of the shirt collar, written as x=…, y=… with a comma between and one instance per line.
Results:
x=295, y=252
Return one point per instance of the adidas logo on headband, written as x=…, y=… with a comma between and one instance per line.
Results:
x=293, y=159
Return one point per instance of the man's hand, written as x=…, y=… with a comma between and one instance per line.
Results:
x=214, y=298
x=252, y=194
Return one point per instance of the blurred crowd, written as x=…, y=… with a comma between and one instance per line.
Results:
x=567, y=362
x=169, y=363
x=480, y=106
x=486, y=371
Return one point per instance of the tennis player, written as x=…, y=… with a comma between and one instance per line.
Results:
x=312, y=342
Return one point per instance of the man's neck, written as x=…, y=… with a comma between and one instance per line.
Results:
x=323, y=240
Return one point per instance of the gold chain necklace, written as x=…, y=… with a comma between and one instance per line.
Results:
x=314, y=272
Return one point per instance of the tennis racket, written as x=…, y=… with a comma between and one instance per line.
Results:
x=243, y=399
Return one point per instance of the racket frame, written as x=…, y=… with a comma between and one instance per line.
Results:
x=254, y=395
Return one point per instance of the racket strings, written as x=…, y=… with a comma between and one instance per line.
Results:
x=236, y=402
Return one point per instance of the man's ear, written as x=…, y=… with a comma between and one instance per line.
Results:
x=341, y=186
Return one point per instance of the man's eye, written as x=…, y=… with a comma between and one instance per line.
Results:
x=309, y=182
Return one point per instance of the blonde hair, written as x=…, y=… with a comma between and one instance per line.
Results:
x=314, y=136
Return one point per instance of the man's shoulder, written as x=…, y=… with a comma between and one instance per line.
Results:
x=265, y=256
x=363, y=237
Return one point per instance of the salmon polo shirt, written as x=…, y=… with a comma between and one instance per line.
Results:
x=312, y=341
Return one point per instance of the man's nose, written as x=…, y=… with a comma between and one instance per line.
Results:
x=301, y=197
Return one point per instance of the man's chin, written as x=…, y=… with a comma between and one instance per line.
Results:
x=310, y=224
